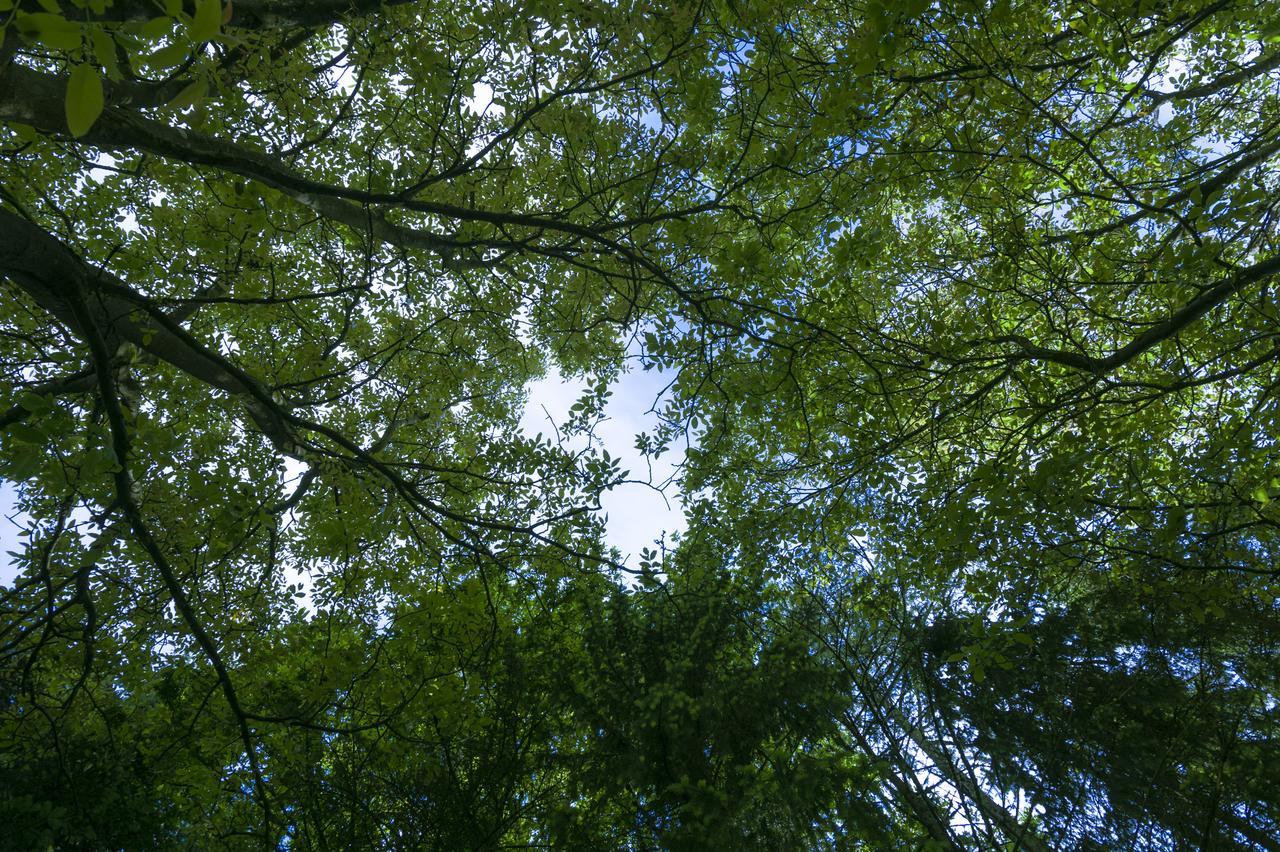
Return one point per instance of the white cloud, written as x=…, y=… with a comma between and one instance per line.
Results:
x=11, y=523
x=638, y=511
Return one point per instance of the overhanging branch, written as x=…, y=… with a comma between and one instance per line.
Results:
x=1189, y=313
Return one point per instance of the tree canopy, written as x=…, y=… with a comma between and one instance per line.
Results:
x=967, y=316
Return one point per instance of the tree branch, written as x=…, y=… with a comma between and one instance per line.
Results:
x=1161, y=331
x=74, y=297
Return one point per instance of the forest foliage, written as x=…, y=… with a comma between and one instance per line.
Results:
x=969, y=314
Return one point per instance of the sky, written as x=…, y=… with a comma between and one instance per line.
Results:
x=10, y=525
x=637, y=513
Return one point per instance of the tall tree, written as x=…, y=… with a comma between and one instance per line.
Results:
x=969, y=312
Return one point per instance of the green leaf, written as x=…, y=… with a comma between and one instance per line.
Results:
x=34, y=402
x=98, y=461
x=24, y=466
x=190, y=95
x=104, y=50
x=207, y=20
x=84, y=99
x=25, y=132
x=168, y=57
x=156, y=28
x=26, y=433
x=51, y=30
